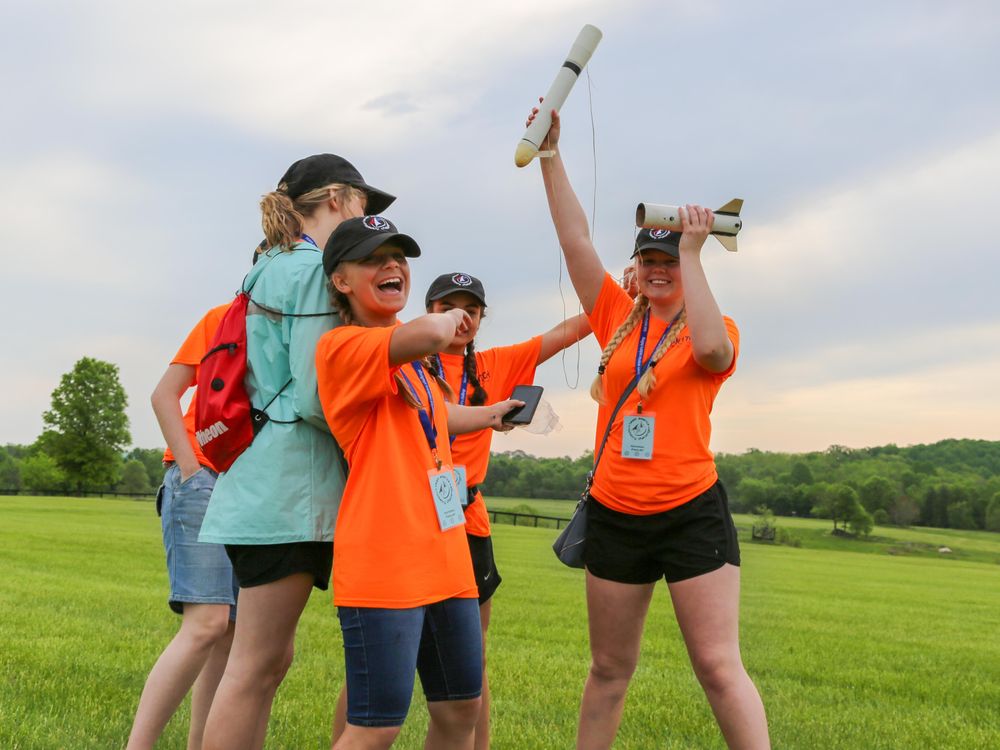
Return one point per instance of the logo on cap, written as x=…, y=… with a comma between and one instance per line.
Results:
x=658, y=234
x=461, y=279
x=377, y=223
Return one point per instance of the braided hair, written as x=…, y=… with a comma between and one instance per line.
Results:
x=648, y=380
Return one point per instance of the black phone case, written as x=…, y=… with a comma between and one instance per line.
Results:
x=530, y=395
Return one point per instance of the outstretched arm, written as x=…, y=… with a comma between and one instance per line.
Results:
x=564, y=334
x=426, y=335
x=710, y=343
x=585, y=268
x=462, y=419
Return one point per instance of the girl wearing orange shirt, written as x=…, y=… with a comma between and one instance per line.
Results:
x=656, y=508
x=403, y=580
x=481, y=377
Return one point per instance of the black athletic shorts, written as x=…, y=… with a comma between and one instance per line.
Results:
x=257, y=564
x=484, y=566
x=683, y=542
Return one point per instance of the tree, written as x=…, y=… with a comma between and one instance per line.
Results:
x=135, y=479
x=903, y=511
x=40, y=472
x=993, y=514
x=877, y=493
x=87, y=428
x=152, y=459
x=10, y=472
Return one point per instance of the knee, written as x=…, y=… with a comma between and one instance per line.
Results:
x=458, y=716
x=716, y=670
x=207, y=627
x=611, y=668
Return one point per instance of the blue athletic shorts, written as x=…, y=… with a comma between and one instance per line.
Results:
x=383, y=648
x=199, y=573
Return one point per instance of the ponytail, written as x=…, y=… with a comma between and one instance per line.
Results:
x=282, y=216
x=479, y=395
x=431, y=366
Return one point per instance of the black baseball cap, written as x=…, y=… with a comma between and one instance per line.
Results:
x=658, y=239
x=325, y=169
x=356, y=239
x=448, y=283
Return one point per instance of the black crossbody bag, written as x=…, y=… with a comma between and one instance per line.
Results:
x=569, y=545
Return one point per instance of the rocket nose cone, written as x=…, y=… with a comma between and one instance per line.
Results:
x=525, y=153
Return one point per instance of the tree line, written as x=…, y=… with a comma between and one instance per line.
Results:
x=948, y=484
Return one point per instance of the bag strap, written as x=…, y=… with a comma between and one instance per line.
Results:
x=600, y=451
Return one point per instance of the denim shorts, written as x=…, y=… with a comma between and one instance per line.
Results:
x=199, y=573
x=383, y=648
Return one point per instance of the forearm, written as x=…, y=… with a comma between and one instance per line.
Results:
x=710, y=343
x=564, y=334
x=585, y=268
x=167, y=408
x=421, y=337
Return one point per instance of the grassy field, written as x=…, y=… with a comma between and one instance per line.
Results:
x=849, y=649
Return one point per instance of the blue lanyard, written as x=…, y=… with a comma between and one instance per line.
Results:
x=640, y=366
x=426, y=420
x=310, y=240
x=463, y=388
x=461, y=391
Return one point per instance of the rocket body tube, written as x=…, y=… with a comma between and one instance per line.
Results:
x=726, y=226
x=578, y=57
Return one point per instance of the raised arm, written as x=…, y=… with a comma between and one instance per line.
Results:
x=585, y=268
x=426, y=335
x=564, y=334
x=166, y=400
x=710, y=343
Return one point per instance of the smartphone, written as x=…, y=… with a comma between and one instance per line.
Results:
x=530, y=395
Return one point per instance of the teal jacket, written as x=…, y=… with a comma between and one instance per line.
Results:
x=286, y=486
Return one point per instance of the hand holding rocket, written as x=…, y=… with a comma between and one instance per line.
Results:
x=579, y=54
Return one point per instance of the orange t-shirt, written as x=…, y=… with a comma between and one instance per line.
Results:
x=682, y=466
x=195, y=347
x=499, y=370
x=389, y=550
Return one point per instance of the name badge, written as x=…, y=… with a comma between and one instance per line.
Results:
x=445, y=494
x=463, y=487
x=637, y=436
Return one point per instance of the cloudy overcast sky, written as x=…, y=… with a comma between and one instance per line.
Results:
x=864, y=138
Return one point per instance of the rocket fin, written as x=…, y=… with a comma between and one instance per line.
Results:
x=727, y=242
x=732, y=208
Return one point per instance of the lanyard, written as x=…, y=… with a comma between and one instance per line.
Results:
x=463, y=388
x=426, y=420
x=640, y=366
x=310, y=240
x=461, y=391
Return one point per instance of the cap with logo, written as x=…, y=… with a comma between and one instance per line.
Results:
x=327, y=169
x=657, y=239
x=449, y=283
x=357, y=238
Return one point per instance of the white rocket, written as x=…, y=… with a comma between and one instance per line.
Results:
x=726, y=226
x=579, y=54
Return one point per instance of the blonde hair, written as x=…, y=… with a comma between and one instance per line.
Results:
x=342, y=304
x=648, y=380
x=282, y=216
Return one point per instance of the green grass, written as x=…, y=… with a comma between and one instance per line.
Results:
x=849, y=650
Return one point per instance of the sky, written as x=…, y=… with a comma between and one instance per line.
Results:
x=864, y=138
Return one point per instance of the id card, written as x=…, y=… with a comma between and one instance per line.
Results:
x=463, y=488
x=445, y=494
x=637, y=435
